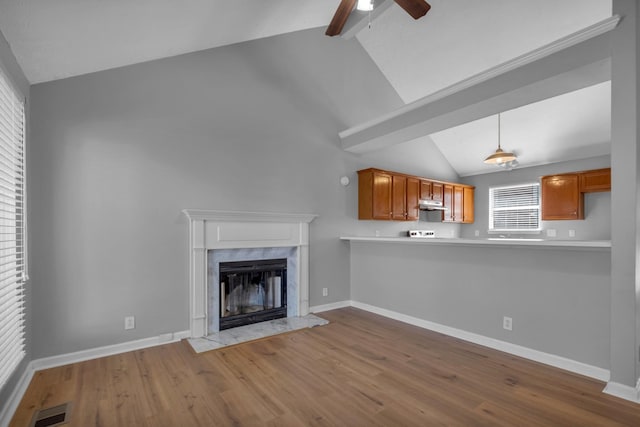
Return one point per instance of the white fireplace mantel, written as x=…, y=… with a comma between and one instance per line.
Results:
x=211, y=229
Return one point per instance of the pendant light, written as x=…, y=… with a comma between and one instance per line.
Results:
x=500, y=158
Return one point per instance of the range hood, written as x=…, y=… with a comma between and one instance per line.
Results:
x=431, y=205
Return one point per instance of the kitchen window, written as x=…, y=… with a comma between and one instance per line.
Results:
x=12, y=229
x=514, y=209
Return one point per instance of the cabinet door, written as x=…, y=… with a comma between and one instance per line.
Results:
x=595, y=180
x=413, y=199
x=437, y=191
x=425, y=190
x=382, y=184
x=561, y=197
x=447, y=214
x=467, y=205
x=399, y=198
x=458, y=203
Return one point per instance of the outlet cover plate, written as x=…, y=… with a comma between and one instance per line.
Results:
x=129, y=322
x=507, y=323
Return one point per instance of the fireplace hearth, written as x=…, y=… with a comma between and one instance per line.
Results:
x=252, y=291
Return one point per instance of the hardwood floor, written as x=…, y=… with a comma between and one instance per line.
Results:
x=360, y=370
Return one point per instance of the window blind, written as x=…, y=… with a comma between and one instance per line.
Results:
x=12, y=229
x=514, y=208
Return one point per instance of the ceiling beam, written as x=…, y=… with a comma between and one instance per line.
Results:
x=571, y=63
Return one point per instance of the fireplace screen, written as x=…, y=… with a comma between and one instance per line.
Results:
x=252, y=291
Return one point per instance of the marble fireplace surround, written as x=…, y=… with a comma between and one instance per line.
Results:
x=211, y=230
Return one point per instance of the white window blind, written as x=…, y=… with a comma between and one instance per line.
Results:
x=12, y=229
x=514, y=208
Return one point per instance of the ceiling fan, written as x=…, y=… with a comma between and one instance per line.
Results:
x=415, y=8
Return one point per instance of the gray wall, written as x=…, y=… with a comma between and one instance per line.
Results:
x=118, y=154
x=595, y=226
x=12, y=70
x=558, y=299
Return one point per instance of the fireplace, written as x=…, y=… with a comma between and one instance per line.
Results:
x=218, y=237
x=252, y=291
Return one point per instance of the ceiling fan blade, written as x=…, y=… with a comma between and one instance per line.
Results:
x=340, y=18
x=415, y=8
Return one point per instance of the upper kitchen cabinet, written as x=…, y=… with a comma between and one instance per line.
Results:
x=399, y=198
x=561, y=197
x=467, y=205
x=374, y=194
x=449, y=204
x=387, y=196
x=459, y=202
x=431, y=190
x=437, y=191
x=563, y=194
x=393, y=196
x=413, y=199
x=595, y=180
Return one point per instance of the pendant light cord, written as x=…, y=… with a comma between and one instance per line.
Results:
x=499, y=130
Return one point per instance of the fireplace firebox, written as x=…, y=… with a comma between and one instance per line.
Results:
x=252, y=291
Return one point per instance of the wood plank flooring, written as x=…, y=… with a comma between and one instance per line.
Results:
x=360, y=370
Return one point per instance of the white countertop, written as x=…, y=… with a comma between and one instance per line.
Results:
x=569, y=244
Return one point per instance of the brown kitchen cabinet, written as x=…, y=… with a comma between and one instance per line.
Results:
x=447, y=201
x=398, y=198
x=468, y=205
x=413, y=199
x=563, y=194
x=387, y=196
x=595, y=180
x=425, y=189
x=430, y=190
x=437, y=191
x=459, y=201
x=561, y=197
x=392, y=196
x=374, y=194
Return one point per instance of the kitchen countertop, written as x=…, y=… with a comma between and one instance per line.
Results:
x=509, y=242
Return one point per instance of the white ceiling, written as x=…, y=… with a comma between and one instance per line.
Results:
x=455, y=40
x=62, y=38
x=573, y=126
x=460, y=38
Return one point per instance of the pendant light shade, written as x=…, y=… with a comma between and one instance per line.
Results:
x=500, y=157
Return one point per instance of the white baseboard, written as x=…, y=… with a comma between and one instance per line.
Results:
x=517, y=350
x=8, y=409
x=623, y=391
x=94, y=353
x=330, y=306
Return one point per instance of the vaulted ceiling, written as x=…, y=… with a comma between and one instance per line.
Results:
x=455, y=40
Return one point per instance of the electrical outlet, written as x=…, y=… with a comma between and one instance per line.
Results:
x=507, y=323
x=551, y=232
x=129, y=322
x=325, y=292
x=477, y=233
x=572, y=233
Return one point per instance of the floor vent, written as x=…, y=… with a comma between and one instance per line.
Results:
x=51, y=417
